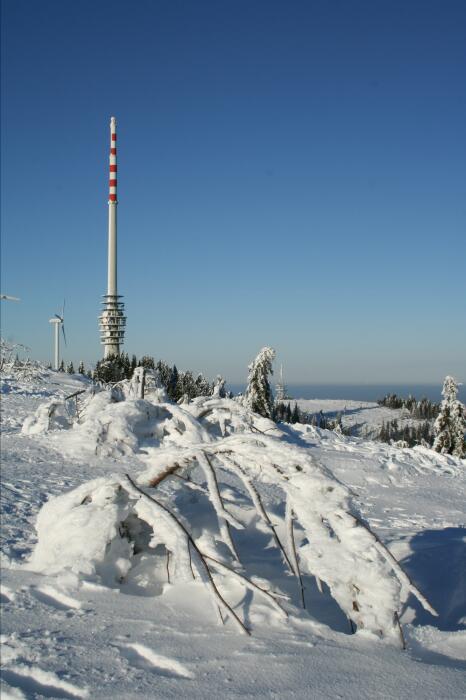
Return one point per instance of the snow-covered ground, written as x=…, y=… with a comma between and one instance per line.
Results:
x=70, y=635
x=365, y=418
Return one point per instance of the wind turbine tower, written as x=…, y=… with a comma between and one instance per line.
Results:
x=112, y=320
x=58, y=321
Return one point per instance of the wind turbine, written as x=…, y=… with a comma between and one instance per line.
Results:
x=58, y=321
x=6, y=297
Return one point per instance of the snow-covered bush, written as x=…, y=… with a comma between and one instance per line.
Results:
x=27, y=370
x=53, y=415
x=174, y=522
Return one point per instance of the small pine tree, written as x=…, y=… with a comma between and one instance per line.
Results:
x=81, y=369
x=70, y=368
x=62, y=366
x=172, y=389
x=450, y=424
x=295, y=417
x=258, y=396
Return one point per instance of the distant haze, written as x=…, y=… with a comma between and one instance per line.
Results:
x=361, y=392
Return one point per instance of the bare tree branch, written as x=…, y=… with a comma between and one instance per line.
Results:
x=292, y=547
x=248, y=583
x=400, y=573
x=211, y=583
x=256, y=499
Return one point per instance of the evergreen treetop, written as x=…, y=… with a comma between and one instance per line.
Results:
x=258, y=396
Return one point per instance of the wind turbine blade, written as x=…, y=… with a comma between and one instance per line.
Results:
x=59, y=317
x=63, y=330
x=63, y=311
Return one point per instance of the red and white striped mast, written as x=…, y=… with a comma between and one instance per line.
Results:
x=112, y=321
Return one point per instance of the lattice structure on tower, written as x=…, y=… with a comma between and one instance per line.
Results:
x=112, y=323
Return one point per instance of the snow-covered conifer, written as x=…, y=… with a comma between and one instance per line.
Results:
x=450, y=424
x=338, y=424
x=173, y=388
x=258, y=396
x=70, y=368
x=219, y=387
x=81, y=369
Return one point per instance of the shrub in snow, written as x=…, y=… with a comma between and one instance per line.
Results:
x=149, y=532
x=11, y=366
x=450, y=424
x=258, y=396
x=52, y=415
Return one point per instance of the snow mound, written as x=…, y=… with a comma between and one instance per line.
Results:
x=126, y=532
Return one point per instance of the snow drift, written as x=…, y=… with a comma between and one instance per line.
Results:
x=145, y=530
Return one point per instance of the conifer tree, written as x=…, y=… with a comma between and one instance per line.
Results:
x=172, y=388
x=62, y=366
x=258, y=396
x=450, y=424
x=70, y=368
x=202, y=386
x=81, y=369
x=219, y=387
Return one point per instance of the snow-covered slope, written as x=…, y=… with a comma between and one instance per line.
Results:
x=363, y=418
x=66, y=634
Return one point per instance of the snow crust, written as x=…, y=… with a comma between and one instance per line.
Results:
x=99, y=598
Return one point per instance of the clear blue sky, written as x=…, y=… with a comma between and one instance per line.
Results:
x=290, y=174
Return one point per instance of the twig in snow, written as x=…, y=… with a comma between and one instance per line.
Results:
x=396, y=617
x=168, y=566
x=292, y=547
x=257, y=501
x=248, y=583
x=76, y=393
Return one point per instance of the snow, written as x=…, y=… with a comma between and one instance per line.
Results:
x=84, y=619
x=364, y=418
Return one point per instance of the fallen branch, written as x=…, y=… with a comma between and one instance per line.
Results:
x=292, y=547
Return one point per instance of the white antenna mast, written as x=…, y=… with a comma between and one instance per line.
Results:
x=112, y=320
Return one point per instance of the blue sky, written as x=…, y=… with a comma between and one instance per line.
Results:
x=290, y=174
